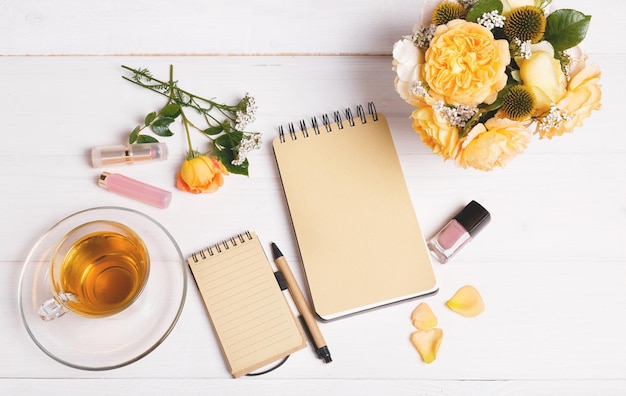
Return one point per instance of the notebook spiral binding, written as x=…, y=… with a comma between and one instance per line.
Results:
x=221, y=246
x=338, y=121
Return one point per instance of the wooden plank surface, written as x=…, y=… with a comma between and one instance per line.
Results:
x=550, y=265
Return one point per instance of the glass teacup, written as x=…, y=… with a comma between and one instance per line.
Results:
x=98, y=269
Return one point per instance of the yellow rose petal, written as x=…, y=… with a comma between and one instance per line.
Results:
x=467, y=302
x=427, y=343
x=423, y=317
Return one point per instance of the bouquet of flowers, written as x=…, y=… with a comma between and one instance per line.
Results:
x=486, y=75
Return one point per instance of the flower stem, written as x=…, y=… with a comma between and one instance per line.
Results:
x=191, y=153
x=222, y=108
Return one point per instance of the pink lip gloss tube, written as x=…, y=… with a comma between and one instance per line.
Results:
x=458, y=232
x=131, y=154
x=135, y=189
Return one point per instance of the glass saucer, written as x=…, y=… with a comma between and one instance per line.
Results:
x=117, y=340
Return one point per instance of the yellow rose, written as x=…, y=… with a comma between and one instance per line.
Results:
x=435, y=132
x=582, y=97
x=465, y=64
x=493, y=143
x=201, y=174
x=543, y=75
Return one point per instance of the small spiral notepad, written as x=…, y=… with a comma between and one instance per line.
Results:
x=359, y=238
x=251, y=317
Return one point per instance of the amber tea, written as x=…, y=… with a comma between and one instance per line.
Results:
x=102, y=273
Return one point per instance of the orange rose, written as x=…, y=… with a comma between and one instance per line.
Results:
x=493, y=143
x=465, y=64
x=582, y=97
x=201, y=174
x=435, y=132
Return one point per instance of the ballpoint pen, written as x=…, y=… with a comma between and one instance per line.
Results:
x=305, y=311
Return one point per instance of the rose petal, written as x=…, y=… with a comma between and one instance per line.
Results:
x=467, y=302
x=423, y=317
x=427, y=343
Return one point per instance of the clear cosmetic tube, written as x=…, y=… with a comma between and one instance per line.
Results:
x=135, y=189
x=131, y=154
x=458, y=232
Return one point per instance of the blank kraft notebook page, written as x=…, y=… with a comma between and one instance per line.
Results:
x=253, y=321
x=359, y=239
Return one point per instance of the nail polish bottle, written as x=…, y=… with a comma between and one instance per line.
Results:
x=130, y=154
x=458, y=232
x=135, y=189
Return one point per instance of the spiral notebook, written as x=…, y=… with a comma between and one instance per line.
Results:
x=359, y=239
x=251, y=317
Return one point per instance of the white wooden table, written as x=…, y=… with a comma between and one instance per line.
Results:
x=551, y=265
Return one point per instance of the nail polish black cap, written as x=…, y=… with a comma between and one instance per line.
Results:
x=473, y=217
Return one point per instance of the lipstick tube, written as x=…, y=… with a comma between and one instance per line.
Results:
x=135, y=189
x=133, y=153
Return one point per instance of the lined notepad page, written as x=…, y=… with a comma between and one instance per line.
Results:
x=253, y=321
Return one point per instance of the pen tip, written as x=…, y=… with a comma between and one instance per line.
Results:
x=276, y=251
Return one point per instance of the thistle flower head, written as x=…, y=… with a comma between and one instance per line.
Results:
x=525, y=23
x=447, y=11
x=519, y=103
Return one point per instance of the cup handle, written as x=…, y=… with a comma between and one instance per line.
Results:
x=52, y=309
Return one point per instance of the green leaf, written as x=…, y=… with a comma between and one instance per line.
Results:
x=149, y=118
x=214, y=130
x=223, y=148
x=171, y=110
x=162, y=126
x=566, y=28
x=238, y=169
x=146, y=139
x=133, y=135
x=226, y=157
x=224, y=142
x=481, y=7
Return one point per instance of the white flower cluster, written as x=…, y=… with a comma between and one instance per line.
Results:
x=554, y=119
x=456, y=115
x=247, y=115
x=418, y=89
x=522, y=47
x=423, y=35
x=247, y=144
x=491, y=20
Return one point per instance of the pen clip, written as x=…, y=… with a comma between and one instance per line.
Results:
x=282, y=282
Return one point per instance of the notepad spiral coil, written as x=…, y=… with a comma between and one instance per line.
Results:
x=221, y=246
x=338, y=121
